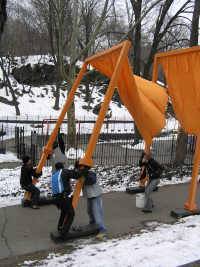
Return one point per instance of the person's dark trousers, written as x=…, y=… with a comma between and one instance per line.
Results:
x=35, y=193
x=66, y=213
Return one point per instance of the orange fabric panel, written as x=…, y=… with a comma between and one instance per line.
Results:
x=145, y=100
x=155, y=93
x=106, y=64
x=182, y=74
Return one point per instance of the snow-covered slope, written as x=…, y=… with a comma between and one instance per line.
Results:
x=39, y=101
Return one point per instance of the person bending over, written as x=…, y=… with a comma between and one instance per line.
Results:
x=26, y=180
x=93, y=192
x=154, y=171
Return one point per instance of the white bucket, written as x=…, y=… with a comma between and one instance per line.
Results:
x=140, y=200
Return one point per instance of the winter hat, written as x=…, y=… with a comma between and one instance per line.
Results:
x=59, y=165
x=25, y=159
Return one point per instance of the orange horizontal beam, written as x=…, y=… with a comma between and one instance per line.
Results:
x=178, y=52
x=108, y=51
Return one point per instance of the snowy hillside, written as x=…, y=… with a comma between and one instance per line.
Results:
x=39, y=101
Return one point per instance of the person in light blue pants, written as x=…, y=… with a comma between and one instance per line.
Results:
x=93, y=192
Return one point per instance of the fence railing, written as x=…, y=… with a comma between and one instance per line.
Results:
x=115, y=146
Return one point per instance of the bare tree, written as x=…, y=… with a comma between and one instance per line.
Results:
x=156, y=31
x=161, y=29
x=4, y=100
x=195, y=24
x=56, y=26
x=136, y=35
x=55, y=17
x=13, y=102
x=181, y=148
x=82, y=54
x=3, y=15
x=23, y=34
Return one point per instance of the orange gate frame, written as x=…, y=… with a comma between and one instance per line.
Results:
x=147, y=110
x=181, y=68
x=146, y=106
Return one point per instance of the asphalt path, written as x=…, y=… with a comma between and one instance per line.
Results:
x=25, y=231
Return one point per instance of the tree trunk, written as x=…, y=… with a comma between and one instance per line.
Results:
x=14, y=98
x=181, y=148
x=137, y=8
x=71, y=76
x=71, y=141
x=195, y=24
x=57, y=96
x=3, y=15
x=136, y=43
x=14, y=101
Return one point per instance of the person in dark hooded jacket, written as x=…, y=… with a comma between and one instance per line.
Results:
x=154, y=170
x=26, y=180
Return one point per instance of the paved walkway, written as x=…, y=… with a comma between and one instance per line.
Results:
x=25, y=231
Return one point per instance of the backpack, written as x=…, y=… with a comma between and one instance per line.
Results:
x=56, y=183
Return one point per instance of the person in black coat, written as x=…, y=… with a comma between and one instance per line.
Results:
x=26, y=177
x=154, y=170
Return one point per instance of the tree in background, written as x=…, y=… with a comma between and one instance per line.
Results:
x=75, y=55
x=63, y=19
x=151, y=29
x=55, y=17
x=181, y=147
x=3, y=15
x=13, y=102
x=164, y=25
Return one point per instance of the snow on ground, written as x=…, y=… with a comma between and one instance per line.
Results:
x=38, y=102
x=8, y=157
x=165, y=246
x=10, y=190
x=74, y=153
x=110, y=178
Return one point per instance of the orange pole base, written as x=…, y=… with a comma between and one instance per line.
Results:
x=191, y=201
x=191, y=207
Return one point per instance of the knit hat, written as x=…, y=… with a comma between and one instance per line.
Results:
x=25, y=159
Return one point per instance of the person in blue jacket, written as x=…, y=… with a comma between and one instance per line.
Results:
x=61, y=191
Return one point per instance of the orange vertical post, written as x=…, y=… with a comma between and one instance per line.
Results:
x=104, y=107
x=48, y=147
x=191, y=202
x=77, y=192
x=147, y=149
x=97, y=127
x=155, y=70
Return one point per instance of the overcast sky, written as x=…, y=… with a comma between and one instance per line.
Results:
x=177, y=4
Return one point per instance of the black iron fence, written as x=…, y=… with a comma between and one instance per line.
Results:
x=116, y=144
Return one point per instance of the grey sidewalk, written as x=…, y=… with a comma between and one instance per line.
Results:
x=25, y=231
